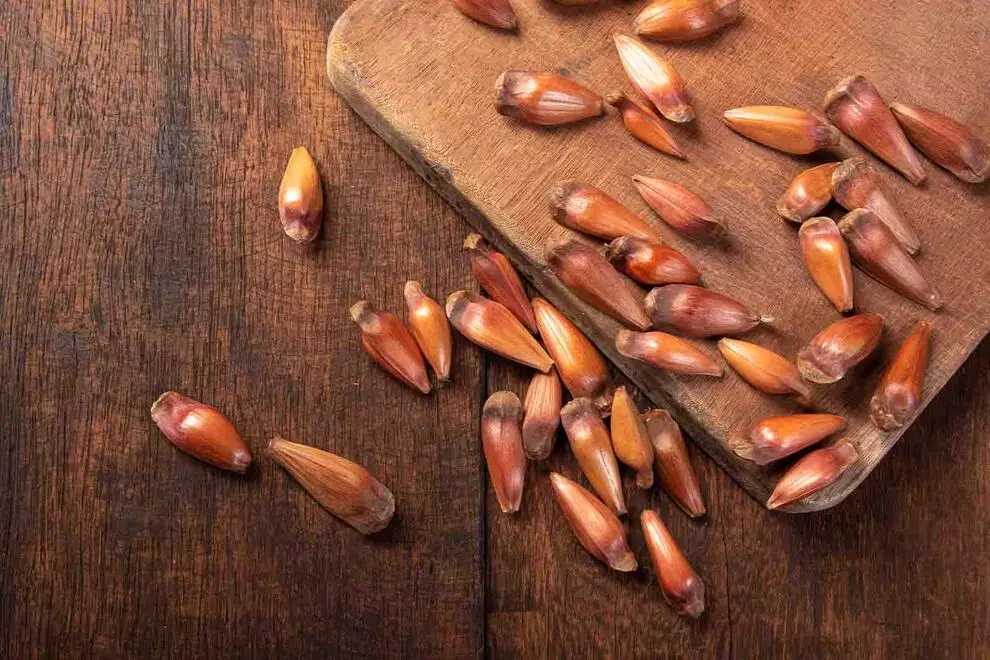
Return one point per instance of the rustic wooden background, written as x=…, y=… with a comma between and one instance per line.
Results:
x=141, y=145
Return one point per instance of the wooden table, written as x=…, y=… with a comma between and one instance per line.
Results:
x=141, y=145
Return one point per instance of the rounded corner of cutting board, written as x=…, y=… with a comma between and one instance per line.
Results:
x=338, y=50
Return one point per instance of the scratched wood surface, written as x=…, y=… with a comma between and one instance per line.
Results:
x=423, y=78
x=140, y=151
x=142, y=148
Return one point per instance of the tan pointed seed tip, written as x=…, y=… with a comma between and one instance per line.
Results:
x=840, y=347
x=900, y=391
x=544, y=399
x=650, y=263
x=673, y=464
x=593, y=279
x=855, y=106
x=501, y=440
x=644, y=125
x=201, y=431
x=764, y=369
x=499, y=278
x=545, y=99
x=814, y=472
x=664, y=351
x=679, y=207
x=790, y=130
x=586, y=209
x=596, y=527
x=856, y=185
x=580, y=366
x=697, y=312
x=592, y=447
x=300, y=198
x=774, y=438
x=388, y=342
x=876, y=251
x=680, y=585
x=685, y=20
x=630, y=439
x=494, y=328
x=430, y=329
x=494, y=13
x=948, y=143
x=809, y=193
x=342, y=487
x=827, y=259
x=655, y=78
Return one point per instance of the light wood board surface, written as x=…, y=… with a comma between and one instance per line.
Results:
x=422, y=75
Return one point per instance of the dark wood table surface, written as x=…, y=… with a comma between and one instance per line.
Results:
x=141, y=146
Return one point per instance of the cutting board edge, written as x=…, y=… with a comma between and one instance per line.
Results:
x=345, y=79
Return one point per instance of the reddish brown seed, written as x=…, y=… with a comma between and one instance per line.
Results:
x=856, y=185
x=493, y=327
x=898, y=395
x=680, y=585
x=588, y=210
x=581, y=367
x=763, y=369
x=809, y=193
x=667, y=352
x=840, y=347
x=812, y=473
x=586, y=272
x=596, y=527
x=201, y=431
x=774, y=438
x=697, y=312
x=685, y=20
x=855, y=106
x=544, y=99
x=300, y=198
x=950, y=144
x=592, y=447
x=340, y=486
x=501, y=439
x=673, y=465
x=875, y=250
x=827, y=260
x=430, y=329
x=789, y=130
x=650, y=263
x=655, y=78
x=387, y=341
x=679, y=207
x=544, y=398
x=630, y=439
x=498, y=277
x=495, y=13
x=643, y=124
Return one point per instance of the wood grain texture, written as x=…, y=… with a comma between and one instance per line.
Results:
x=422, y=77
x=142, y=151
x=141, y=147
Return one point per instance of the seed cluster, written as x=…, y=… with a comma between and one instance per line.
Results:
x=874, y=235
x=536, y=334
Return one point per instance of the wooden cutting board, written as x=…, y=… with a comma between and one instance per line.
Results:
x=422, y=75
